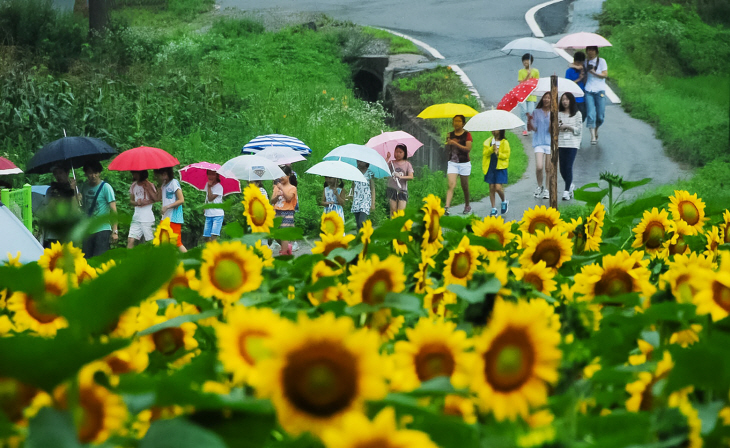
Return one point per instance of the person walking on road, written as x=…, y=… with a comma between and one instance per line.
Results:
x=495, y=161
x=97, y=198
x=402, y=172
x=458, y=146
x=597, y=72
x=576, y=72
x=527, y=72
x=570, y=125
x=363, y=201
x=540, y=124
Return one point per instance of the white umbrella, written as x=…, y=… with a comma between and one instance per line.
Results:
x=583, y=40
x=281, y=155
x=534, y=46
x=493, y=120
x=564, y=85
x=351, y=153
x=337, y=169
x=251, y=168
x=15, y=238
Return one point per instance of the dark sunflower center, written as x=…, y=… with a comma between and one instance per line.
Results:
x=227, y=274
x=721, y=295
x=169, y=340
x=614, y=282
x=547, y=251
x=495, y=235
x=591, y=227
x=38, y=312
x=534, y=280
x=379, y=442
x=436, y=301
x=165, y=236
x=434, y=360
x=434, y=229
x=689, y=212
x=376, y=287
x=92, y=418
x=14, y=398
x=332, y=246
x=541, y=224
x=251, y=345
x=653, y=235
x=461, y=265
x=726, y=231
x=179, y=281
x=679, y=247
x=330, y=227
x=509, y=362
x=257, y=210
x=321, y=379
x=118, y=366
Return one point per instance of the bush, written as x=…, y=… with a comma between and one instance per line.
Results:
x=234, y=28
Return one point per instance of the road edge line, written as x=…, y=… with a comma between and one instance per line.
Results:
x=434, y=52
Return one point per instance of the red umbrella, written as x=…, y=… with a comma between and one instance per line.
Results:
x=518, y=94
x=196, y=175
x=8, y=167
x=143, y=158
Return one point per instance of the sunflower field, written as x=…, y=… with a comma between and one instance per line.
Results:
x=609, y=330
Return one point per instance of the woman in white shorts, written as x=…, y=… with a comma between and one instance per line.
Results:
x=540, y=124
x=142, y=194
x=458, y=146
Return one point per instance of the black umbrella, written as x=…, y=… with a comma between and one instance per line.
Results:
x=72, y=152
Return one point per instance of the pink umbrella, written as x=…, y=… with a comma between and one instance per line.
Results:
x=8, y=167
x=196, y=175
x=582, y=40
x=386, y=142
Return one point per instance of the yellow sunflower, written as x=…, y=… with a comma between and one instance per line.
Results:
x=539, y=276
x=258, y=211
x=332, y=224
x=399, y=247
x=644, y=354
x=131, y=359
x=98, y=413
x=688, y=208
x=14, y=260
x=686, y=276
x=434, y=348
x=686, y=337
x=713, y=242
x=6, y=325
x=171, y=341
x=423, y=280
x=229, y=269
x=15, y=398
x=618, y=275
x=164, y=233
x=144, y=419
x=180, y=279
x=493, y=227
x=328, y=294
x=652, y=231
x=714, y=297
x=677, y=244
x=319, y=371
x=264, y=252
x=642, y=398
x=496, y=265
x=241, y=340
x=84, y=271
x=552, y=246
x=594, y=228
x=517, y=357
x=540, y=218
x=541, y=433
x=61, y=256
x=461, y=264
x=328, y=243
x=366, y=232
x=371, y=280
x=725, y=227
x=356, y=431
x=694, y=423
x=432, y=235
x=385, y=324
x=32, y=312
x=436, y=300
x=461, y=407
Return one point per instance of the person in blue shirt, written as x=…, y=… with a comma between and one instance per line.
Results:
x=576, y=72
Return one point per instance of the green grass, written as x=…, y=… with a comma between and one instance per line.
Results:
x=398, y=45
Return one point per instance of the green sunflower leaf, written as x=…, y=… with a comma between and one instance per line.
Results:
x=491, y=286
x=27, y=278
x=177, y=321
x=629, y=184
x=52, y=427
x=636, y=208
x=180, y=433
x=234, y=229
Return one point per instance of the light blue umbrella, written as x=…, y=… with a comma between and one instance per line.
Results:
x=351, y=153
x=276, y=141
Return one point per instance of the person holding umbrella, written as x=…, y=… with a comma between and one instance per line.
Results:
x=171, y=195
x=142, y=194
x=495, y=161
x=576, y=72
x=284, y=199
x=458, y=146
x=527, y=72
x=597, y=72
x=213, y=216
x=363, y=200
x=397, y=191
x=97, y=199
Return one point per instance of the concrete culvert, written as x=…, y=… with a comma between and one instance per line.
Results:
x=368, y=86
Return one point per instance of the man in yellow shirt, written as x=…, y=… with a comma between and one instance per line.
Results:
x=526, y=73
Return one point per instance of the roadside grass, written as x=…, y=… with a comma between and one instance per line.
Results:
x=442, y=85
x=397, y=44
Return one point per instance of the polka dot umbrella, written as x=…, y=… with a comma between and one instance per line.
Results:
x=517, y=95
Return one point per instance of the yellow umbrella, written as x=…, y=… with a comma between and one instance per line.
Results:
x=447, y=110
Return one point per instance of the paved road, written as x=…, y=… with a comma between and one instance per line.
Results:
x=470, y=33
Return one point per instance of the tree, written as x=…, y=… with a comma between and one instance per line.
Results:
x=98, y=14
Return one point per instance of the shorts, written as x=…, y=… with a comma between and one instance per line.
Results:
x=177, y=228
x=396, y=195
x=213, y=226
x=545, y=149
x=462, y=169
x=139, y=229
x=287, y=217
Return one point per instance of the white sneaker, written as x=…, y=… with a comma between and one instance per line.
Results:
x=572, y=188
x=538, y=191
x=545, y=193
x=295, y=246
x=566, y=195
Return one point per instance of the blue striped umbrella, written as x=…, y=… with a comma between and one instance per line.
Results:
x=276, y=141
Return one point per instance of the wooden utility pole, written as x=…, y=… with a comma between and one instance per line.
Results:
x=552, y=166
